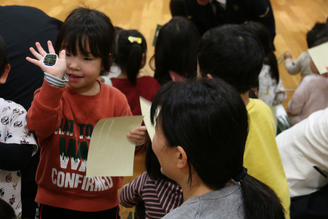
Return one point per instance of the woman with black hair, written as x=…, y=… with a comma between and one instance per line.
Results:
x=201, y=131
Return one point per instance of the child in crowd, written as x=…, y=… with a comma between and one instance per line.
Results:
x=64, y=112
x=301, y=64
x=233, y=53
x=159, y=193
x=199, y=142
x=17, y=145
x=130, y=56
x=176, y=51
x=311, y=95
x=270, y=89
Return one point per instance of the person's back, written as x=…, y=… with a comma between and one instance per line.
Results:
x=21, y=27
x=262, y=157
x=310, y=96
x=225, y=53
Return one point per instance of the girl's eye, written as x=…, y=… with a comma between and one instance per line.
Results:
x=87, y=59
x=67, y=54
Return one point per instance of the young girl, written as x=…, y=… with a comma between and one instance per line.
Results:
x=130, y=56
x=199, y=142
x=63, y=113
x=311, y=95
x=270, y=89
x=159, y=193
x=175, y=51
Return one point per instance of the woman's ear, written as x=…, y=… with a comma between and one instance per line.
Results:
x=182, y=158
x=4, y=75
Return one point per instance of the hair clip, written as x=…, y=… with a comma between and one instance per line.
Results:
x=135, y=39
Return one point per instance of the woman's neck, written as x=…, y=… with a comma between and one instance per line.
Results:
x=197, y=188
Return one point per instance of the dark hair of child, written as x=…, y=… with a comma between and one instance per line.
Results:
x=232, y=53
x=6, y=211
x=130, y=54
x=4, y=56
x=208, y=119
x=265, y=38
x=318, y=31
x=176, y=49
x=87, y=31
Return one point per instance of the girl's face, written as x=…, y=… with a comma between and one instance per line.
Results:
x=83, y=72
x=165, y=155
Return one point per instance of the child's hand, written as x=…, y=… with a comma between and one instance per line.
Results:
x=139, y=135
x=58, y=70
x=288, y=55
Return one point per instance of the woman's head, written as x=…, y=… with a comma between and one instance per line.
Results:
x=232, y=53
x=176, y=49
x=87, y=31
x=130, y=53
x=208, y=120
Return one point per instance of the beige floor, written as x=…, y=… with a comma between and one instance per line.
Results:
x=293, y=19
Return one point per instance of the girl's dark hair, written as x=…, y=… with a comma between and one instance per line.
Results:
x=87, y=30
x=3, y=56
x=176, y=49
x=232, y=53
x=265, y=38
x=208, y=119
x=319, y=30
x=129, y=55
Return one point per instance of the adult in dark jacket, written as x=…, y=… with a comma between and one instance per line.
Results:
x=206, y=14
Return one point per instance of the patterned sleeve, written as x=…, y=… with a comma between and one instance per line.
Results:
x=13, y=125
x=131, y=193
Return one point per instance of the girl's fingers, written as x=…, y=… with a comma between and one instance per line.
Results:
x=62, y=54
x=36, y=54
x=40, y=49
x=50, y=47
x=34, y=61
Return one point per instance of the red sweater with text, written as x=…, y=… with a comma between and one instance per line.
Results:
x=63, y=121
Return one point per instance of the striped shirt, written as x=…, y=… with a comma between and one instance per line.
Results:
x=160, y=196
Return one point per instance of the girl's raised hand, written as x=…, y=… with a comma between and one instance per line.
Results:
x=57, y=70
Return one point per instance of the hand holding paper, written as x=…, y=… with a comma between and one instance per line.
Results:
x=111, y=153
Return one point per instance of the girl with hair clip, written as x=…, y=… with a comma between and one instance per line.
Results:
x=199, y=142
x=159, y=194
x=270, y=89
x=64, y=112
x=130, y=56
x=176, y=51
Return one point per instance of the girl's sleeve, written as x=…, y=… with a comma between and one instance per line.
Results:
x=131, y=193
x=294, y=67
x=46, y=110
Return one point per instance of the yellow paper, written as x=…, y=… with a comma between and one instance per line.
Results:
x=145, y=110
x=111, y=153
x=319, y=56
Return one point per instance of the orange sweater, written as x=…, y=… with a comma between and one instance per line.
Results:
x=63, y=121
